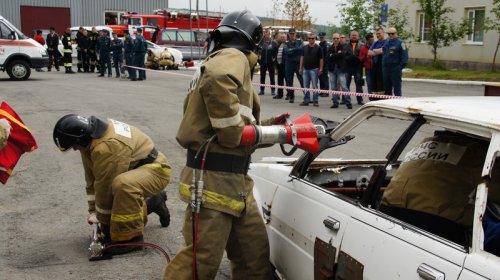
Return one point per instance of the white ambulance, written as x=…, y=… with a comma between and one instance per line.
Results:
x=18, y=53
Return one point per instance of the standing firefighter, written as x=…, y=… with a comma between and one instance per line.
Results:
x=103, y=48
x=122, y=167
x=220, y=102
x=128, y=48
x=68, y=50
x=79, y=63
x=93, y=36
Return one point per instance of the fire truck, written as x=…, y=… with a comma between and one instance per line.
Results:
x=163, y=19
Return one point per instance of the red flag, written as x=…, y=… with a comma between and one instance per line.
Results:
x=20, y=141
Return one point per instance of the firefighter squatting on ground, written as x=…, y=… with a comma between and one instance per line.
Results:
x=220, y=129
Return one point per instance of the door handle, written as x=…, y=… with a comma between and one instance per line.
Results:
x=427, y=272
x=331, y=223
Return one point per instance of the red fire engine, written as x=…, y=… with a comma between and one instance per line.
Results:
x=164, y=19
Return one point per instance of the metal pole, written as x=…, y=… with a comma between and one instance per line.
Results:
x=206, y=8
x=198, y=32
x=190, y=30
x=167, y=4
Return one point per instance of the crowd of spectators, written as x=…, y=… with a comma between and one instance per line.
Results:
x=376, y=62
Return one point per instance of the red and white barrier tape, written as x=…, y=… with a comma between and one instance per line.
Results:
x=379, y=96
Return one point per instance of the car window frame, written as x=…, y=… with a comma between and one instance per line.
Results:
x=306, y=159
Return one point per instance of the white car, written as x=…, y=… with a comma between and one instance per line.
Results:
x=324, y=215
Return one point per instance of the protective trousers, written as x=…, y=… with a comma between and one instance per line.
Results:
x=139, y=62
x=79, y=61
x=129, y=60
x=392, y=79
x=290, y=69
x=104, y=61
x=244, y=239
x=128, y=190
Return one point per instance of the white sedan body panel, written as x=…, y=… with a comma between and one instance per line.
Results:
x=398, y=250
x=296, y=203
x=366, y=242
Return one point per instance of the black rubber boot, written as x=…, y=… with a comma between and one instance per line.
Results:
x=157, y=205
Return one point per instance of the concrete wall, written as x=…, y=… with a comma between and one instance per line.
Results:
x=461, y=54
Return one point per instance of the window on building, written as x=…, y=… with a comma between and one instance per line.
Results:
x=424, y=27
x=475, y=17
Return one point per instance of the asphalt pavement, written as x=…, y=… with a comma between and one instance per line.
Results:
x=43, y=208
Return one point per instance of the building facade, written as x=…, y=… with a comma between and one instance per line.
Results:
x=473, y=51
x=29, y=15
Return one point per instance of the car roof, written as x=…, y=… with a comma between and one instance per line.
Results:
x=480, y=110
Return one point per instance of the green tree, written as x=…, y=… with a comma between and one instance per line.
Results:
x=398, y=18
x=292, y=9
x=360, y=15
x=493, y=23
x=304, y=17
x=298, y=13
x=276, y=9
x=443, y=30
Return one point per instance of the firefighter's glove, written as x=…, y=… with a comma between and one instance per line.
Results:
x=92, y=219
x=6, y=125
x=281, y=119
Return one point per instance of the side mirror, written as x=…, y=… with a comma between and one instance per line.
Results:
x=12, y=35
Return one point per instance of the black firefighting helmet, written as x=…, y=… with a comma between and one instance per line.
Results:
x=241, y=30
x=74, y=129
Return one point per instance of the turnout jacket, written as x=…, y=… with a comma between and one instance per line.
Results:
x=221, y=101
x=118, y=150
x=66, y=42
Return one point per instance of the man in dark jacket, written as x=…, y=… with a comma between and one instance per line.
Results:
x=84, y=45
x=353, y=64
x=52, y=47
x=103, y=49
x=337, y=68
x=267, y=59
x=293, y=52
x=117, y=48
x=140, y=48
x=93, y=36
x=79, y=63
x=323, y=78
x=128, y=47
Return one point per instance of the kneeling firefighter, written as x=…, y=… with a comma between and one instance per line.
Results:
x=220, y=129
x=122, y=168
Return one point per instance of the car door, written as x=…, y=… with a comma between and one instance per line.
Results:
x=380, y=247
x=8, y=46
x=305, y=223
x=480, y=264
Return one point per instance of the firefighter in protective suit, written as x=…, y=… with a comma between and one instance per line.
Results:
x=438, y=178
x=166, y=59
x=220, y=102
x=122, y=168
x=151, y=60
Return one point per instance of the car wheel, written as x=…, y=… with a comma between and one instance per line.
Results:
x=19, y=70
